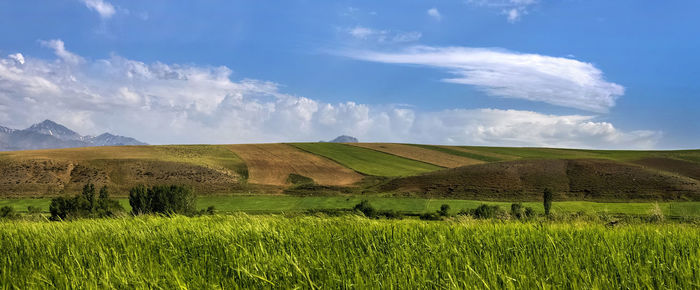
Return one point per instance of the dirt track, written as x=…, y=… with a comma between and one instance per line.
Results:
x=272, y=163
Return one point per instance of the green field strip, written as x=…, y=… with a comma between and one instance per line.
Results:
x=279, y=204
x=538, y=153
x=459, y=153
x=368, y=161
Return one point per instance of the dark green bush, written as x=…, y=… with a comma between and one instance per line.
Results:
x=168, y=200
x=33, y=210
x=366, y=208
x=8, y=212
x=486, y=211
x=517, y=211
x=444, y=210
x=529, y=212
x=430, y=216
x=85, y=205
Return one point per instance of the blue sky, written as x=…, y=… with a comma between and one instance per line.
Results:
x=591, y=74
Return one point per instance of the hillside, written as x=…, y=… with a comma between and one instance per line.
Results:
x=371, y=168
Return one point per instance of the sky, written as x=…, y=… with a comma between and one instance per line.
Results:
x=576, y=74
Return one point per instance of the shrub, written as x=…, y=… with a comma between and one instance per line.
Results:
x=529, y=212
x=517, y=211
x=391, y=214
x=366, y=208
x=7, y=212
x=444, y=210
x=547, y=198
x=85, y=205
x=33, y=210
x=486, y=211
x=168, y=200
x=430, y=216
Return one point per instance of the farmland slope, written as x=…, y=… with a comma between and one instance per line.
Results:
x=367, y=161
x=272, y=164
x=421, y=154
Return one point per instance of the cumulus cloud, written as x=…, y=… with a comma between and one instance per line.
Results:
x=555, y=80
x=103, y=8
x=513, y=9
x=176, y=103
x=434, y=13
x=387, y=36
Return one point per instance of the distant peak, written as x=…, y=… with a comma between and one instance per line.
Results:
x=344, y=139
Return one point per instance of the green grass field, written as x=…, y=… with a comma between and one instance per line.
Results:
x=256, y=252
x=279, y=204
x=367, y=161
x=452, y=151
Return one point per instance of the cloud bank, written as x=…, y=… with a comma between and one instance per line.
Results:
x=177, y=103
x=555, y=80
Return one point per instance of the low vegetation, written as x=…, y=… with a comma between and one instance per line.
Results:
x=167, y=200
x=244, y=251
x=84, y=205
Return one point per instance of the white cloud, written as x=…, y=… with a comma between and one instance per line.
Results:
x=513, y=9
x=387, y=36
x=434, y=13
x=18, y=57
x=175, y=103
x=513, y=15
x=60, y=50
x=104, y=8
x=555, y=80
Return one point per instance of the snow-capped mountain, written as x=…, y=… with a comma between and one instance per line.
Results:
x=48, y=127
x=49, y=134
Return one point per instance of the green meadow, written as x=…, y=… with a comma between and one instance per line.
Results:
x=264, y=251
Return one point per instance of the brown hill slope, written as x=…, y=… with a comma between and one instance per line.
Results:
x=272, y=164
x=210, y=169
x=570, y=179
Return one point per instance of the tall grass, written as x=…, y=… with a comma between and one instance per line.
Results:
x=309, y=252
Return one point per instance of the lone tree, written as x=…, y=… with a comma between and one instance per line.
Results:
x=547, y=200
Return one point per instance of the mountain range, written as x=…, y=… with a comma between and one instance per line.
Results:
x=51, y=135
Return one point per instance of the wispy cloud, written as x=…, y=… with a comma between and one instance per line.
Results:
x=434, y=13
x=103, y=8
x=555, y=80
x=366, y=33
x=183, y=103
x=513, y=9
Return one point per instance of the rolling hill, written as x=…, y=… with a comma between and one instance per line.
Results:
x=360, y=168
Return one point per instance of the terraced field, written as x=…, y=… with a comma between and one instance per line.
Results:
x=272, y=164
x=421, y=154
x=367, y=161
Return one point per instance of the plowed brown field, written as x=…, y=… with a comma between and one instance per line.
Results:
x=420, y=154
x=272, y=163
